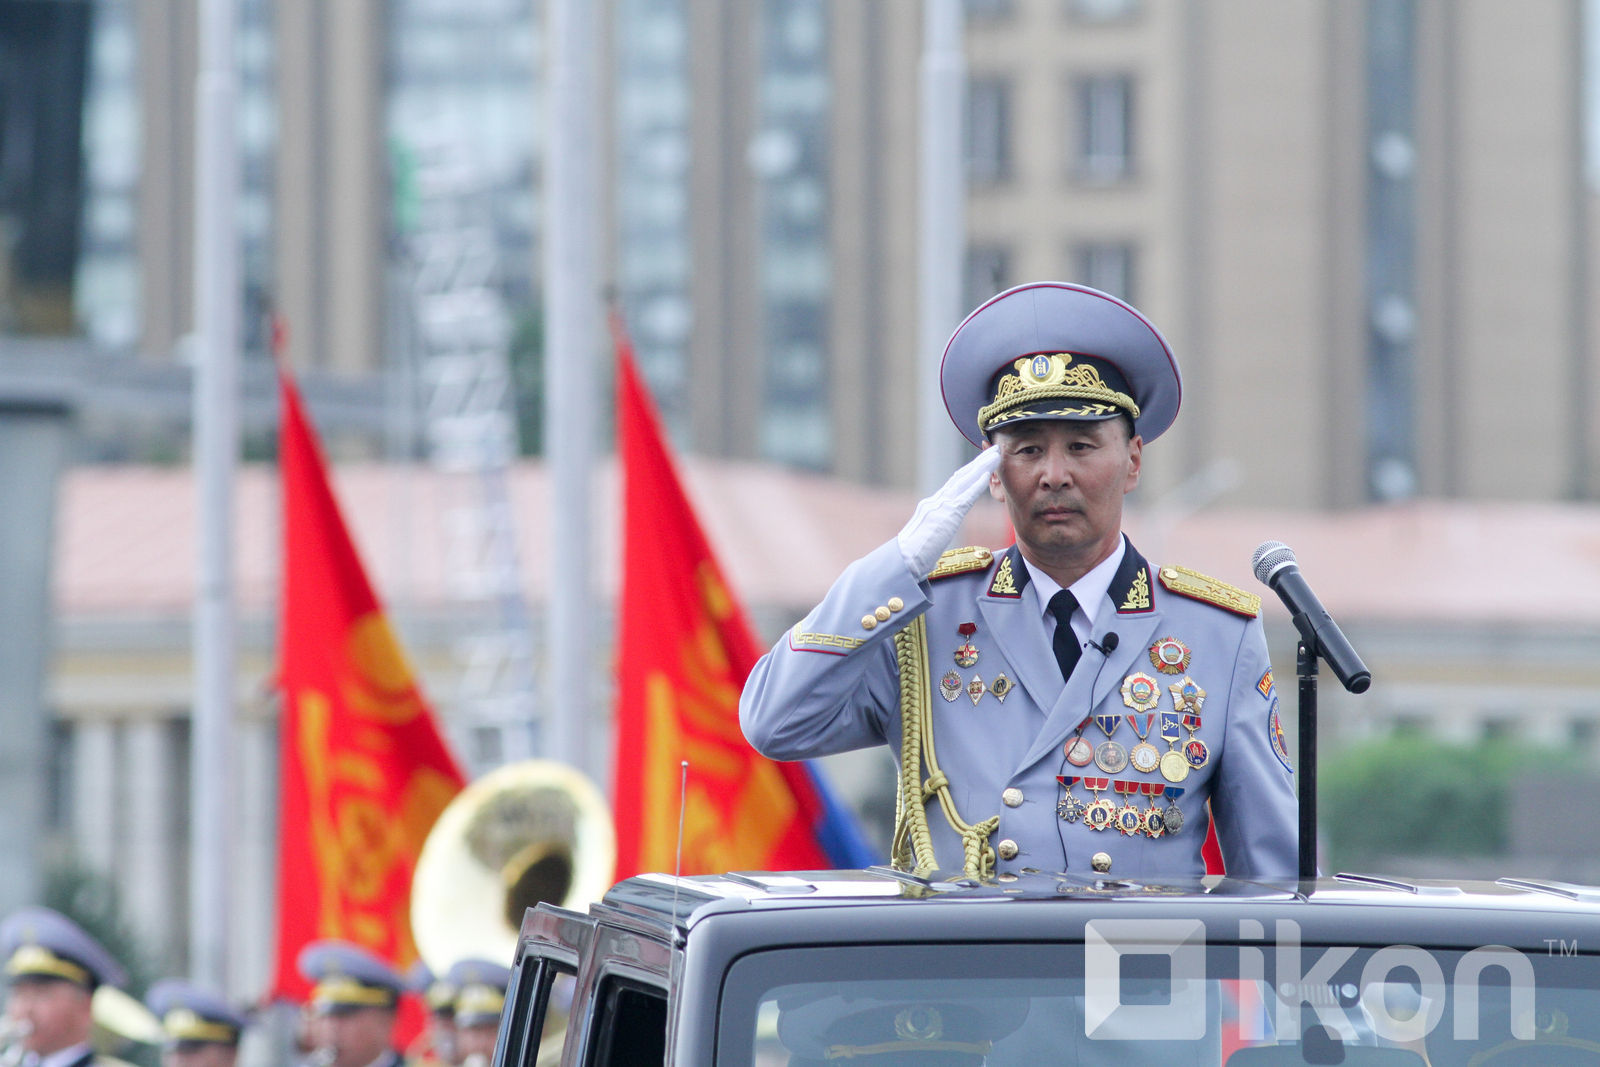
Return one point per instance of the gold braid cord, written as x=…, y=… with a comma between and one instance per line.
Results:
x=913, y=844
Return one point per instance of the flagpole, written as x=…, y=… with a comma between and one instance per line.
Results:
x=571, y=347
x=941, y=227
x=216, y=433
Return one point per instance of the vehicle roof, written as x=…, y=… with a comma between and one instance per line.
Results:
x=678, y=904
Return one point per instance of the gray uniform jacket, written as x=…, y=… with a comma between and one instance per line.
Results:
x=832, y=684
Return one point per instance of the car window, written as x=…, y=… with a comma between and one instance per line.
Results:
x=1194, y=1002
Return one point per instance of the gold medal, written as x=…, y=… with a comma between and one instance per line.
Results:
x=1174, y=768
x=1141, y=692
x=1155, y=823
x=950, y=685
x=1144, y=757
x=1169, y=656
x=967, y=654
x=1130, y=819
x=1187, y=696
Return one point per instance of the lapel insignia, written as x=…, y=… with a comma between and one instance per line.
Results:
x=1130, y=586
x=1005, y=583
x=1000, y=687
x=975, y=689
x=950, y=685
x=1138, y=598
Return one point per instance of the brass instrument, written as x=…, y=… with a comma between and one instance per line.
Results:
x=527, y=832
x=120, y=1019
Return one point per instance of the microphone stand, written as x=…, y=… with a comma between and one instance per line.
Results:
x=1306, y=663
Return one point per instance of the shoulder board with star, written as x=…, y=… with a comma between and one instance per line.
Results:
x=961, y=561
x=1197, y=586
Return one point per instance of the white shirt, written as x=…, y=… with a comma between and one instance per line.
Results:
x=1090, y=591
x=61, y=1057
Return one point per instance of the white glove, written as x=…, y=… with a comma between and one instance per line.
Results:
x=924, y=539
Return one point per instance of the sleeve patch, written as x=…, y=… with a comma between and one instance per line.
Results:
x=1197, y=586
x=1264, y=686
x=1280, y=744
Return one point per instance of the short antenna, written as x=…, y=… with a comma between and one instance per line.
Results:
x=677, y=866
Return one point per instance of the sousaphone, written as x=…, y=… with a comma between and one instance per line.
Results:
x=527, y=832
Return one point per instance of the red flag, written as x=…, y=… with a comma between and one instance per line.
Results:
x=683, y=653
x=364, y=770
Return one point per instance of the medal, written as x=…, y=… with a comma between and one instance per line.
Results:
x=1187, y=696
x=1169, y=656
x=1155, y=820
x=1144, y=757
x=1000, y=687
x=975, y=689
x=1172, y=816
x=950, y=685
x=1110, y=757
x=966, y=654
x=1141, y=692
x=1079, y=752
x=1130, y=820
x=1194, y=749
x=1069, y=807
x=1101, y=814
x=1174, y=767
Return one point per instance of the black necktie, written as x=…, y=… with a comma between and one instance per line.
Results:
x=1066, y=645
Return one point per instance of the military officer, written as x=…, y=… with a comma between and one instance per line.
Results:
x=1064, y=703
x=480, y=987
x=436, y=1043
x=53, y=968
x=355, y=999
x=201, y=1029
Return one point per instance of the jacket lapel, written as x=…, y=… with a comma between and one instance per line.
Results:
x=1012, y=615
x=1133, y=617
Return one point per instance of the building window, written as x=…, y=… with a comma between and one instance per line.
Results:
x=988, y=132
x=1107, y=266
x=988, y=269
x=989, y=9
x=1104, y=105
x=1102, y=10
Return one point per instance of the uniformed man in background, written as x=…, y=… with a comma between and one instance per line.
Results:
x=436, y=1043
x=200, y=1028
x=53, y=969
x=480, y=987
x=1087, y=704
x=354, y=1000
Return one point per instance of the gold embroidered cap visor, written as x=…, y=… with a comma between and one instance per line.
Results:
x=1056, y=350
x=36, y=961
x=340, y=994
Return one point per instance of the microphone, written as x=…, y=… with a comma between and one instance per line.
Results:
x=1275, y=565
x=1109, y=647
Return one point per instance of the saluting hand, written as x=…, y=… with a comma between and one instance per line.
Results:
x=924, y=539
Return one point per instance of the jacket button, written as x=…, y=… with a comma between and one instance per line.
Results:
x=895, y=603
x=882, y=614
x=1007, y=849
x=1012, y=797
x=868, y=622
